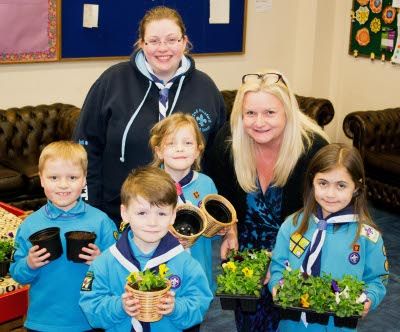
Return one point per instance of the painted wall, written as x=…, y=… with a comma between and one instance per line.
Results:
x=307, y=40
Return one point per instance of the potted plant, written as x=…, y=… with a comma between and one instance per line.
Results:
x=6, y=251
x=76, y=240
x=240, y=281
x=319, y=298
x=48, y=238
x=149, y=287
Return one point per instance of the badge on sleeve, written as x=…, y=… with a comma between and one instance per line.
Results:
x=354, y=258
x=87, y=282
x=175, y=281
x=298, y=244
x=370, y=233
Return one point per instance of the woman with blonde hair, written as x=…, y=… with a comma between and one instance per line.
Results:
x=258, y=162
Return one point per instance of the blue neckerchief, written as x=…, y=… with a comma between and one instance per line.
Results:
x=53, y=212
x=312, y=261
x=183, y=182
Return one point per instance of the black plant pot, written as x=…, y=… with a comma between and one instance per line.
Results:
x=349, y=322
x=316, y=318
x=218, y=211
x=245, y=302
x=48, y=238
x=76, y=240
x=4, y=268
x=188, y=222
x=289, y=313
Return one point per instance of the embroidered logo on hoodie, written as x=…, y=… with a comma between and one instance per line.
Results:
x=203, y=119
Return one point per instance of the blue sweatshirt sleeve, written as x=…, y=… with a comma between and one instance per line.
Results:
x=109, y=234
x=102, y=307
x=19, y=269
x=193, y=302
x=90, y=131
x=376, y=271
x=280, y=254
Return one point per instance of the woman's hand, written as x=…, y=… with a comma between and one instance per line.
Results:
x=37, y=257
x=92, y=252
x=130, y=304
x=167, y=303
x=230, y=242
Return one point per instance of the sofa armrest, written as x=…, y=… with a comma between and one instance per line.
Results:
x=319, y=109
x=377, y=131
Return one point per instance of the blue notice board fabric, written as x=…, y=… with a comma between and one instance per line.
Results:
x=119, y=20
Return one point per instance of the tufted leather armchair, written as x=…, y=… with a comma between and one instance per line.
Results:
x=319, y=109
x=24, y=132
x=376, y=134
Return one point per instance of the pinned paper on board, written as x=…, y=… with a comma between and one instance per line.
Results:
x=396, y=3
x=219, y=12
x=90, y=16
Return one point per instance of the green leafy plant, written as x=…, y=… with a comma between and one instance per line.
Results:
x=149, y=281
x=321, y=294
x=6, y=246
x=243, y=273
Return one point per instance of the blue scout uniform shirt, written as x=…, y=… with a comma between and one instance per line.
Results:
x=105, y=281
x=194, y=192
x=366, y=260
x=54, y=288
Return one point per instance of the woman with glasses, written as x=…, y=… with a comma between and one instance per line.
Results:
x=130, y=97
x=259, y=161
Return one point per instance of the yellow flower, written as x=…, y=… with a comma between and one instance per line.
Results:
x=304, y=301
x=163, y=269
x=362, y=14
x=248, y=272
x=230, y=265
x=375, y=25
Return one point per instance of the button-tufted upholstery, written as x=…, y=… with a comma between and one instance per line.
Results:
x=24, y=132
x=376, y=134
x=319, y=109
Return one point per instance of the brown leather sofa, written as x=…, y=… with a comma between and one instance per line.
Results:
x=376, y=134
x=319, y=109
x=24, y=132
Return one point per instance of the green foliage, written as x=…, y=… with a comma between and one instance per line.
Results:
x=318, y=293
x=148, y=281
x=6, y=247
x=243, y=273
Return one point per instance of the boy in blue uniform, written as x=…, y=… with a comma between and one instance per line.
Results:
x=54, y=285
x=333, y=233
x=149, y=200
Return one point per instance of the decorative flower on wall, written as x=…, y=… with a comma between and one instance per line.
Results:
x=362, y=14
x=375, y=25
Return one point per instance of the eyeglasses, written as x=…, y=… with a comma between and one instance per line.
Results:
x=169, y=41
x=269, y=78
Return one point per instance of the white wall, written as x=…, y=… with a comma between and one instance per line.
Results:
x=307, y=40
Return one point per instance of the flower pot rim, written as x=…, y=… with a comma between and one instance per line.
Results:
x=44, y=231
x=202, y=215
x=155, y=292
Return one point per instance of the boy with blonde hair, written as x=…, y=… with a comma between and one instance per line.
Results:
x=149, y=200
x=54, y=284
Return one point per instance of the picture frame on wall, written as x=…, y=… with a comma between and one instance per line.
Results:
x=30, y=31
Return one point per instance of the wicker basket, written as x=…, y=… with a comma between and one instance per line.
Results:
x=220, y=213
x=192, y=213
x=148, y=303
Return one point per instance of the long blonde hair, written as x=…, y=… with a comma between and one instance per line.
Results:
x=297, y=136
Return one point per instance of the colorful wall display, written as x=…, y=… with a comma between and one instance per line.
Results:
x=375, y=26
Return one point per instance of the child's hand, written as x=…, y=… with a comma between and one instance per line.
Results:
x=267, y=277
x=167, y=303
x=37, y=257
x=130, y=304
x=223, y=231
x=367, y=306
x=92, y=252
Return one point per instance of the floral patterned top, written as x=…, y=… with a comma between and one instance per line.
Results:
x=262, y=220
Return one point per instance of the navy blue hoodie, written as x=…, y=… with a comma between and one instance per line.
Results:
x=118, y=113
